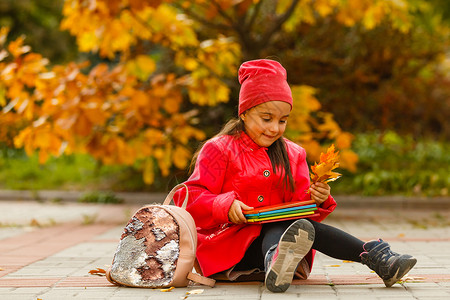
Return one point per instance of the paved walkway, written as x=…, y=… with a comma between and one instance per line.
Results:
x=47, y=251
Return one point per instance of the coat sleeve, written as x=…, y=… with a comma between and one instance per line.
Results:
x=207, y=204
x=301, y=178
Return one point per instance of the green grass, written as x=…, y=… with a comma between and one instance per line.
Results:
x=392, y=164
x=100, y=197
x=74, y=172
x=389, y=165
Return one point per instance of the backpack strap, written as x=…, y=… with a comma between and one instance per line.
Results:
x=109, y=278
x=197, y=278
x=173, y=191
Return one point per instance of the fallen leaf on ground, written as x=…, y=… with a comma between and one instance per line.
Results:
x=98, y=272
x=334, y=266
x=1, y=269
x=195, y=292
x=167, y=290
x=408, y=278
x=34, y=223
x=347, y=261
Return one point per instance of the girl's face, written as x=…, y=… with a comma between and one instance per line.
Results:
x=266, y=122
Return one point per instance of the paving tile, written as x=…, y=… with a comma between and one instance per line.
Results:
x=23, y=293
x=127, y=298
x=7, y=232
x=88, y=249
x=53, y=263
x=313, y=279
x=177, y=293
x=21, y=297
x=22, y=250
x=28, y=282
x=91, y=281
x=113, y=234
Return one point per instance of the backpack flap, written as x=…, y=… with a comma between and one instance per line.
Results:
x=157, y=248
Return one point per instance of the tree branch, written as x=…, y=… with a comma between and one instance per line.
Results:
x=203, y=20
x=254, y=15
x=222, y=12
x=238, y=26
x=277, y=24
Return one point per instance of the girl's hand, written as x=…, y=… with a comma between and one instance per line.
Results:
x=319, y=192
x=235, y=214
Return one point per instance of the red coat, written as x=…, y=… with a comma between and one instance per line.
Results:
x=229, y=169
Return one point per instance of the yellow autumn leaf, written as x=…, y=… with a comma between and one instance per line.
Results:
x=348, y=160
x=16, y=48
x=141, y=67
x=163, y=157
x=166, y=162
x=2, y=96
x=333, y=266
x=344, y=140
x=125, y=154
x=3, y=34
x=148, y=172
x=185, y=133
x=140, y=99
x=181, y=157
x=329, y=125
x=82, y=125
x=88, y=41
x=325, y=7
x=408, y=278
x=190, y=64
x=313, y=149
x=172, y=103
x=43, y=156
x=98, y=272
x=305, y=96
x=322, y=171
x=146, y=64
x=195, y=292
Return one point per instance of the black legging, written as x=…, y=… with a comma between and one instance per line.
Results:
x=328, y=240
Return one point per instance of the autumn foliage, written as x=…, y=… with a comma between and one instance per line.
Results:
x=323, y=170
x=163, y=62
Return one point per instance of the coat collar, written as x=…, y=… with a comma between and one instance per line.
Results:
x=248, y=143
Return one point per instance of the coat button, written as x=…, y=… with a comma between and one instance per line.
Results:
x=260, y=198
x=266, y=173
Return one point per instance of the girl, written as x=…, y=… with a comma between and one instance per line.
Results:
x=250, y=164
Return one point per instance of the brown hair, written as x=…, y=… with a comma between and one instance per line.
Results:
x=277, y=151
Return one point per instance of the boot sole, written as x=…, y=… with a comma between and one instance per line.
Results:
x=402, y=270
x=294, y=245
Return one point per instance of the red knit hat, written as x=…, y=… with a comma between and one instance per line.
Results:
x=261, y=81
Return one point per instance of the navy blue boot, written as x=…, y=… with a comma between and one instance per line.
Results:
x=390, y=266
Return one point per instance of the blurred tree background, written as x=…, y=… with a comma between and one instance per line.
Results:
x=39, y=22
x=119, y=94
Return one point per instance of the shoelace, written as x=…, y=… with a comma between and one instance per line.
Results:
x=378, y=258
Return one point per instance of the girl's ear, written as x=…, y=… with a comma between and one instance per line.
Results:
x=242, y=116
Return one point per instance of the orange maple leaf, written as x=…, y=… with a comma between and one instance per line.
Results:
x=323, y=171
x=98, y=272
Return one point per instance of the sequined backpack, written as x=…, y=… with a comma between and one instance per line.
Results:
x=157, y=248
